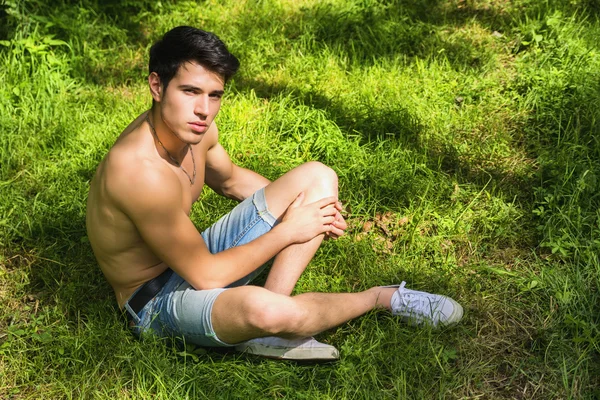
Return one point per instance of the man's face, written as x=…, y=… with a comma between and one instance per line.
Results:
x=191, y=102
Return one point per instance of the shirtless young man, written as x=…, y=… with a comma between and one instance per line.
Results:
x=174, y=281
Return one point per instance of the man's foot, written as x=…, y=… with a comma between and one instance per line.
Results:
x=422, y=307
x=289, y=349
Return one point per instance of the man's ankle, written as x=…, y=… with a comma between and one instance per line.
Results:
x=383, y=297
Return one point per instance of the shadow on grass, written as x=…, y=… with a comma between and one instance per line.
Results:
x=365, y=31
x=373, y=124
x=391, y=30
x=62, y=270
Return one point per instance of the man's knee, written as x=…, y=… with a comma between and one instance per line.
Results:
x=276, y=316
x=321, y=175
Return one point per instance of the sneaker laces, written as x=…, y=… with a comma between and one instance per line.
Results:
x=417, y=303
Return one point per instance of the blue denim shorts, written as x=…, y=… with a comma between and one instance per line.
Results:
x=181, y=311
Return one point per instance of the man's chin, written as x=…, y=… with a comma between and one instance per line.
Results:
x=189, y=137
x=196, y=139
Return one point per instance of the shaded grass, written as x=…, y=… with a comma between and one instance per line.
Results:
x=465, y=138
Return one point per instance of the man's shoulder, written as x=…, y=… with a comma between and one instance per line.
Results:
x=133, y=178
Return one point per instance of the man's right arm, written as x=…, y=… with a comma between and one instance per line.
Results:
x=153, y=200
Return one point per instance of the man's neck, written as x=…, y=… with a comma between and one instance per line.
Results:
x=169, y=146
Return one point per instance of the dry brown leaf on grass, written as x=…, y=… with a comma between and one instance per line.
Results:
x=384, y=228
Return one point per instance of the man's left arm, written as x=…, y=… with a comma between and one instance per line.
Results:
x=228, y=179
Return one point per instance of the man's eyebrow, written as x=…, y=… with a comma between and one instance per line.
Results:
x=197, y=89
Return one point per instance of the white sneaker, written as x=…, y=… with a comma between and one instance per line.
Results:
x=422, y=307
x=289, y=349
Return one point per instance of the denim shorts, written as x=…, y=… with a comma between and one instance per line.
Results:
x=181, y=311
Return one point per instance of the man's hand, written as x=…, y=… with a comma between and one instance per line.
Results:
x=339, y=225
x=310, y=220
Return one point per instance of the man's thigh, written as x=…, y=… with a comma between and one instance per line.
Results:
x=248, y=312
x=220, y=317
x=246, y=222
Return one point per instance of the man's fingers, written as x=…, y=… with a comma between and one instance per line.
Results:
x=335, y=232
x=329, y=210
x=340, y=222
x=329, y=220
x=326, y=201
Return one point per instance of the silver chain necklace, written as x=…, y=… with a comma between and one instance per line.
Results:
x=173, y=159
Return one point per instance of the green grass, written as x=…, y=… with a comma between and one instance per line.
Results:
x=466, y=138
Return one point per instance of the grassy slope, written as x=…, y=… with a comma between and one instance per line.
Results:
x=465, y=135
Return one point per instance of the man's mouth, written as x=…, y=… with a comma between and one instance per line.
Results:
x=199, y=127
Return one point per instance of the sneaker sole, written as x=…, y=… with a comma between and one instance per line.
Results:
x=285, y=353
x=456, y=315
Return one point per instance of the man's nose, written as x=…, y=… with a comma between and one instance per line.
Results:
x=201, y=107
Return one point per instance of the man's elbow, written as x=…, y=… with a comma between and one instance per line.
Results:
x=202, y=283
x=233, y=191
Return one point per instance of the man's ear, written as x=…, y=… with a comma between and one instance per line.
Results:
x=155, y=86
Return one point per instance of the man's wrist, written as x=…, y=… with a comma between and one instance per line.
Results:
x=283, y=234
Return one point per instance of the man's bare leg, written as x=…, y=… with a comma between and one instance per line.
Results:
x=289, y=265
x=249, y=312
x=316, y=181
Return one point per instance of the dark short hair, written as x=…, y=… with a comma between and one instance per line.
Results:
x=186, y=44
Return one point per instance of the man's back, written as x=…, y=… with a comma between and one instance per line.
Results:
x=123, y=256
